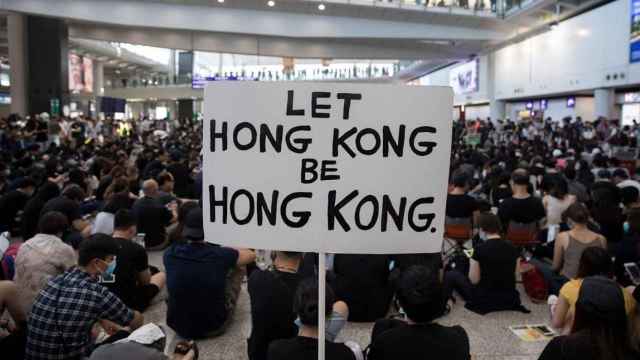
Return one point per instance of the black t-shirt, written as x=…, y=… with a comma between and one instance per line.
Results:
x=461, y=206
x=10, y=204
x=42, y=131
x=524, y=211
x=152, y=219
x=578, y=346
x=421, y=341
x=362, y=281
x=183, y=180
x=497, y=259
x=30, y=217
x=68, y=207
x=304, y=348
x=272, y=315
x=131, y=260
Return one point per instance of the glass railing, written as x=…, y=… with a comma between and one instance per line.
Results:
x=300, y=72
x=470, y=6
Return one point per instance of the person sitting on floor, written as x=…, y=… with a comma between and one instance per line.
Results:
x=490, y=284
x=152, y=217
x=272, y=295
x=203, y=281
x=362, y=281
x=595, y=261
x=133, y=282
x=418, y=337
x=42, y=257
x=600, y=329
x=13, y=329
x=305, y=345
x=568, y=248
x=64, y=313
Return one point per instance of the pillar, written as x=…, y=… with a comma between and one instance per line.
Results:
x=47, y=44
x=17, y=33
x=98, y=78
x=604, y=103
x=497, y=110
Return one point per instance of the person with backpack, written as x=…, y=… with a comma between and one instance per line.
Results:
x=490, y=284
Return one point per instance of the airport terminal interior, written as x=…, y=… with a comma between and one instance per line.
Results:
x=495, y=146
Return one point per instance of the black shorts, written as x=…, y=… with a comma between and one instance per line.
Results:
x=144, y=295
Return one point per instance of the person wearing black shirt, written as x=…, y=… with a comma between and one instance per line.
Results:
x=305, y=345
x=182, y=175
x=34, y=206
x=459, y=204
x=133, y=282
x=13, y=202
x=362, y=281
x=600, y=329
x=271, y=293
x=606, y=209
x=491, y=282
x=153, y=217
x=421, y=296
x=521, y=207
x=69, y=205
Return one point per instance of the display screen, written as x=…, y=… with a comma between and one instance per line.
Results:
x=80, y=74
x=464, y=78
x=634, y=37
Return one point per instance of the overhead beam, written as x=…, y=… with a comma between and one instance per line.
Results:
x=274, y=46
x=242, y=21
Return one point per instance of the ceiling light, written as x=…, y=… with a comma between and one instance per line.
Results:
x=271, y=3
x=321, y=7
x=220, y=1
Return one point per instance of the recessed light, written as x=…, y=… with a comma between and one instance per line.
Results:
x=220, y=1
x=321, y=7
x=271, y=3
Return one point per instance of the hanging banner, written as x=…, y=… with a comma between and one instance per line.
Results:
x=634, y=41
x=322, y=167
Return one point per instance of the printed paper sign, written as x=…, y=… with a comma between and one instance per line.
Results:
x=326, y=167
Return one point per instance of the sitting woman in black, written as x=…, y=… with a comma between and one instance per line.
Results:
x=490, y=284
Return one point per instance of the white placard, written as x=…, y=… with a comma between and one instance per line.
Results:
x=356, y=130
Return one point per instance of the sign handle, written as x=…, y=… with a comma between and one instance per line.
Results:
x=322, y=269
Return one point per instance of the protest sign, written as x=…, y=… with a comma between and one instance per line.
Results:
x=326, y=167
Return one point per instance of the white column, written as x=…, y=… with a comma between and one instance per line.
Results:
x=497, y=110
x=17, y=32
x=604, y=103
x=98, y=78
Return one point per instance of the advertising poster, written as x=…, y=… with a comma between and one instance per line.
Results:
x=464, y=78
x=634, y=45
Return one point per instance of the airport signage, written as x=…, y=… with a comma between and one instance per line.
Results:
x=634, y=41
x=326, y=167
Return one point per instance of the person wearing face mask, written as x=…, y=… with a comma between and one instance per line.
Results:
x=66, y=309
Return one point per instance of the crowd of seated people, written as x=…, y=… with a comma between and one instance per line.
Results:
x=83, y=206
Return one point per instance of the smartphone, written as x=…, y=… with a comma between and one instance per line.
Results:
x=633, y=271
x=107, y=279
x=545, y=330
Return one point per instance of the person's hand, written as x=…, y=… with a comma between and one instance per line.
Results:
x=111, y=328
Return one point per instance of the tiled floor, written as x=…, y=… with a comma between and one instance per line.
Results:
x=490, y=336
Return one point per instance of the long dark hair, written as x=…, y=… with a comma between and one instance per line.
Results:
x=609, y=335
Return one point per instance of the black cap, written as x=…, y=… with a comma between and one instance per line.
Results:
x=601, y=297
x=193, y=226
